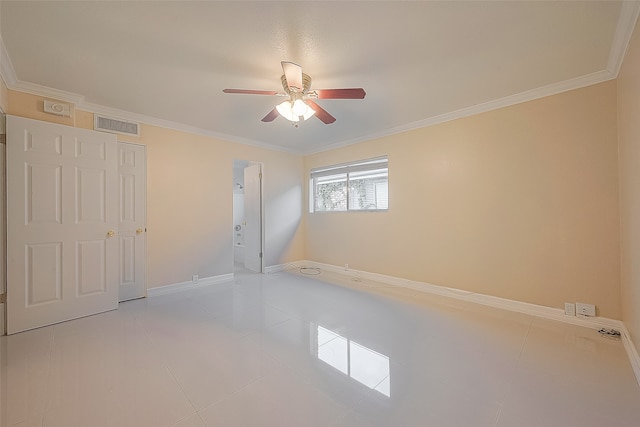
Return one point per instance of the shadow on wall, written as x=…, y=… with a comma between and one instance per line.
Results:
x=283, y=214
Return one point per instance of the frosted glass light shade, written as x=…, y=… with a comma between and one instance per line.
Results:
x=293, y=111
x=299, y=107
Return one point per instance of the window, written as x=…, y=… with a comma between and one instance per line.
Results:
x=355, y=186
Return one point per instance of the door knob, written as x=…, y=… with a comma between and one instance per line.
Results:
x=111, y=233
x=139, y=230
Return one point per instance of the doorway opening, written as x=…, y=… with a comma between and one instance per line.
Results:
x=248, y=251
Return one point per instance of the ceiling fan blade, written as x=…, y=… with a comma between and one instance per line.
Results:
x=293, y=73
x=251, y=92
x=353, y=93
x=321, y=113
x=271, y=116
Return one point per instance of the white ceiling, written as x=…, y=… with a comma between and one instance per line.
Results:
x=420, y=62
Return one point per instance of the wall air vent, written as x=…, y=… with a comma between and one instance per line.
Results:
x=109, y=124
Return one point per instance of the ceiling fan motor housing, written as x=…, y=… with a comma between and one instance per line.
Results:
x=306, y=84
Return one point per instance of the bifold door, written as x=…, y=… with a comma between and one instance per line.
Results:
x=132, y=231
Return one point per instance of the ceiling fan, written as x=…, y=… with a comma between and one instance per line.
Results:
x=301, y=104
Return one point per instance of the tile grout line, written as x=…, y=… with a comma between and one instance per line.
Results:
x=47, y=407
x=524, y=341
x=186, y=417
x=166, y=366
x=495, y=424
x=229, y=395
x=522, y=346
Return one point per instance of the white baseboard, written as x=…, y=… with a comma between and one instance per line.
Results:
x=183, y=286
x=279, y=267
x=632, y=351
x=492, y=301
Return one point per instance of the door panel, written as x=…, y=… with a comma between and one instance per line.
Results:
x=61, y=207
x=132, y=220
x=253, y=217
x=91, y=264
x=44, y=273
x=127, y=260
x=90, y=196
x=44, y=194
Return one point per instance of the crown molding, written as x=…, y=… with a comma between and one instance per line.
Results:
x=168, y=124
x=7, y=73
x=81, y=104
x=529, y=95
x=47, y=92
x=629, y=13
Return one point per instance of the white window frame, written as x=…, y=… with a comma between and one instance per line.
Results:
x=347, y=169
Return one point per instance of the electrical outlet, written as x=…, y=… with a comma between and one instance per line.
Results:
x=588, y=310
x=569, y=309
x=346, y=267
x=194, y=278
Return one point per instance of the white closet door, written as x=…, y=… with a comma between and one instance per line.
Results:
x=132, y=231
x=62, y=217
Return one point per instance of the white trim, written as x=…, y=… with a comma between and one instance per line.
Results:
x=60, y=95
x=183, y=286
x=550, y=313
x=628, y=16
x=526, y=96
x=529, y=95
x=632, y=351
x=489, y=300
x=7, y=71
x=276, y=268
x=167, y=124
x=46, y=92
x=629, y=12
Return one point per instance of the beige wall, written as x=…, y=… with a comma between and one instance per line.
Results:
x=189, y=197
x=629, y=141
x=520, y=203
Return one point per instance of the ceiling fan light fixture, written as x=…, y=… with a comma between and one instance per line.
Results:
x=299, y=107
x=292, y=111
x=285, y=110
x=308, y=113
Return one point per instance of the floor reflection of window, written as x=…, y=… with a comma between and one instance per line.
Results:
x=333, y=349
x=355, y=360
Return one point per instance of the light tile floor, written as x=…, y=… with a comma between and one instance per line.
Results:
x=287, y=349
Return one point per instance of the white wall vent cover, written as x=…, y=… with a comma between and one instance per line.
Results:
x=57, y=108
x=109, y=124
